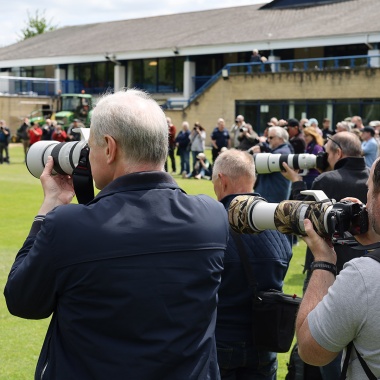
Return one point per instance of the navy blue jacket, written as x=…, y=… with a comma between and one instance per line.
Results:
x=131, y=280
x=269, y=253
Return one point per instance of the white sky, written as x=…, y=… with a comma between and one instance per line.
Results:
x=14, y=13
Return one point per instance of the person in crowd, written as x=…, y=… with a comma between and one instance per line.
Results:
x=273, y=186
x=348, y=177
x=343, y=126
x=370, y=146
x=247, y=137
x=23, y=135
x=273, y=122
x=315, y=144
x=255, y=59
x=235, y=130
x=5, y=137
x=134, y=293
x=219, y=138
x=357, y=122
x=197, y=140
x=59, y=134
x=269, y=254
x=296, y=136
x=313, y=123
x=171, y=151
x=35, y=133
x=203, y=168
x=71, y=135
x=183, y=147
x=338, y=310
x=304, y=123
x=326, y=129
x=47, y=130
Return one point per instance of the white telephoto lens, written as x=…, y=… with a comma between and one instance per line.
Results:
x=37, y=156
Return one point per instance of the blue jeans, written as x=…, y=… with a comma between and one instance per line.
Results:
x=185, y=160
x=241, y=361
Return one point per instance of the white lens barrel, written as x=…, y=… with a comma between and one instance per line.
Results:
x=261, y=216
x=37, y=156
x=65, y=155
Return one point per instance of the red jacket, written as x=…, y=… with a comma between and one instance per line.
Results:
x=35, y=134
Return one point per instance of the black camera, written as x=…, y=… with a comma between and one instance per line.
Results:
x=336, y=220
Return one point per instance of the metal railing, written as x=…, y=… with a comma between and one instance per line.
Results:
x=10, y=85
x=294, y=65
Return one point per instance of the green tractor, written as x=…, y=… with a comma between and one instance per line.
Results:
x=74, y=106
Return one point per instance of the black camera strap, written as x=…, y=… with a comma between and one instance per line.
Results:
x=82, y=178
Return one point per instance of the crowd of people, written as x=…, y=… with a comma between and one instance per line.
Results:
x=153, y=288
x=30, y=132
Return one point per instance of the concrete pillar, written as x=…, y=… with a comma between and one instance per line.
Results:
x=119, y=80
x=6, y=85
x=130, y=74
x=59, y=75
x=188, y=79
x=375, y=61
x=274, y=67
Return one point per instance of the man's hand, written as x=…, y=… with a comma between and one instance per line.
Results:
x=290, y=174
x=58, y=189
x=322, y=249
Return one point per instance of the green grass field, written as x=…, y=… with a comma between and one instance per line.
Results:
x=21, y=196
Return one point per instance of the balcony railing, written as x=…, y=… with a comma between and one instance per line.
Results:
x=303, y=65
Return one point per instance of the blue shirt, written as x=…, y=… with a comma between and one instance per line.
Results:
x=370, y=151
x=221, y=137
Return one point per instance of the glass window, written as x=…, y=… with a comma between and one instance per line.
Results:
x=344, y=108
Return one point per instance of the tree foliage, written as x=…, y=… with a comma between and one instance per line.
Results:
x=37, y=24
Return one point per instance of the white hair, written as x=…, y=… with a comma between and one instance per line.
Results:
x=280, y=132
x=136, y=122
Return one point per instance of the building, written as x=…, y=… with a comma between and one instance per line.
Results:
x=173, y=56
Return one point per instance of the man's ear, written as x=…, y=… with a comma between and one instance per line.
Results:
x=111, y=148
x=224, y=180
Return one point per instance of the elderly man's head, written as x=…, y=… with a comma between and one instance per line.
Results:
x=128, y=133
x=277, y=136
x=233, y=172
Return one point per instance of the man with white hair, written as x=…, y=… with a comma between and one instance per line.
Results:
x=273, y=186
x=133, y=292
x=268, y=253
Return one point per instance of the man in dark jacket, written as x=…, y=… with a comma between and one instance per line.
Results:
x=347, y=179
x=269, y=254
x=133, y=292
x=296, y=136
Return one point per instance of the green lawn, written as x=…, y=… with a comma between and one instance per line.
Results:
x=21, y=340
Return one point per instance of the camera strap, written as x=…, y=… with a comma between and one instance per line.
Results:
x=82, y=178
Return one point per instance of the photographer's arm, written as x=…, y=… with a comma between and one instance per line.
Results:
x=58, y=189
x=310, y=351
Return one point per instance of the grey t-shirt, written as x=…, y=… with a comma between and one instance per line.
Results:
x=351, y=311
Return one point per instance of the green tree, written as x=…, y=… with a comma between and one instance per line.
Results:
x=37, y=24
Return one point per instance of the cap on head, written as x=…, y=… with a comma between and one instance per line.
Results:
x=293, y=123
x=370, y=130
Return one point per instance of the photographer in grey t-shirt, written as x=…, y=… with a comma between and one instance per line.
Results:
x=335, y=312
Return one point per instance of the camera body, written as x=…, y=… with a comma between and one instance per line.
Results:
x=243, y=129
